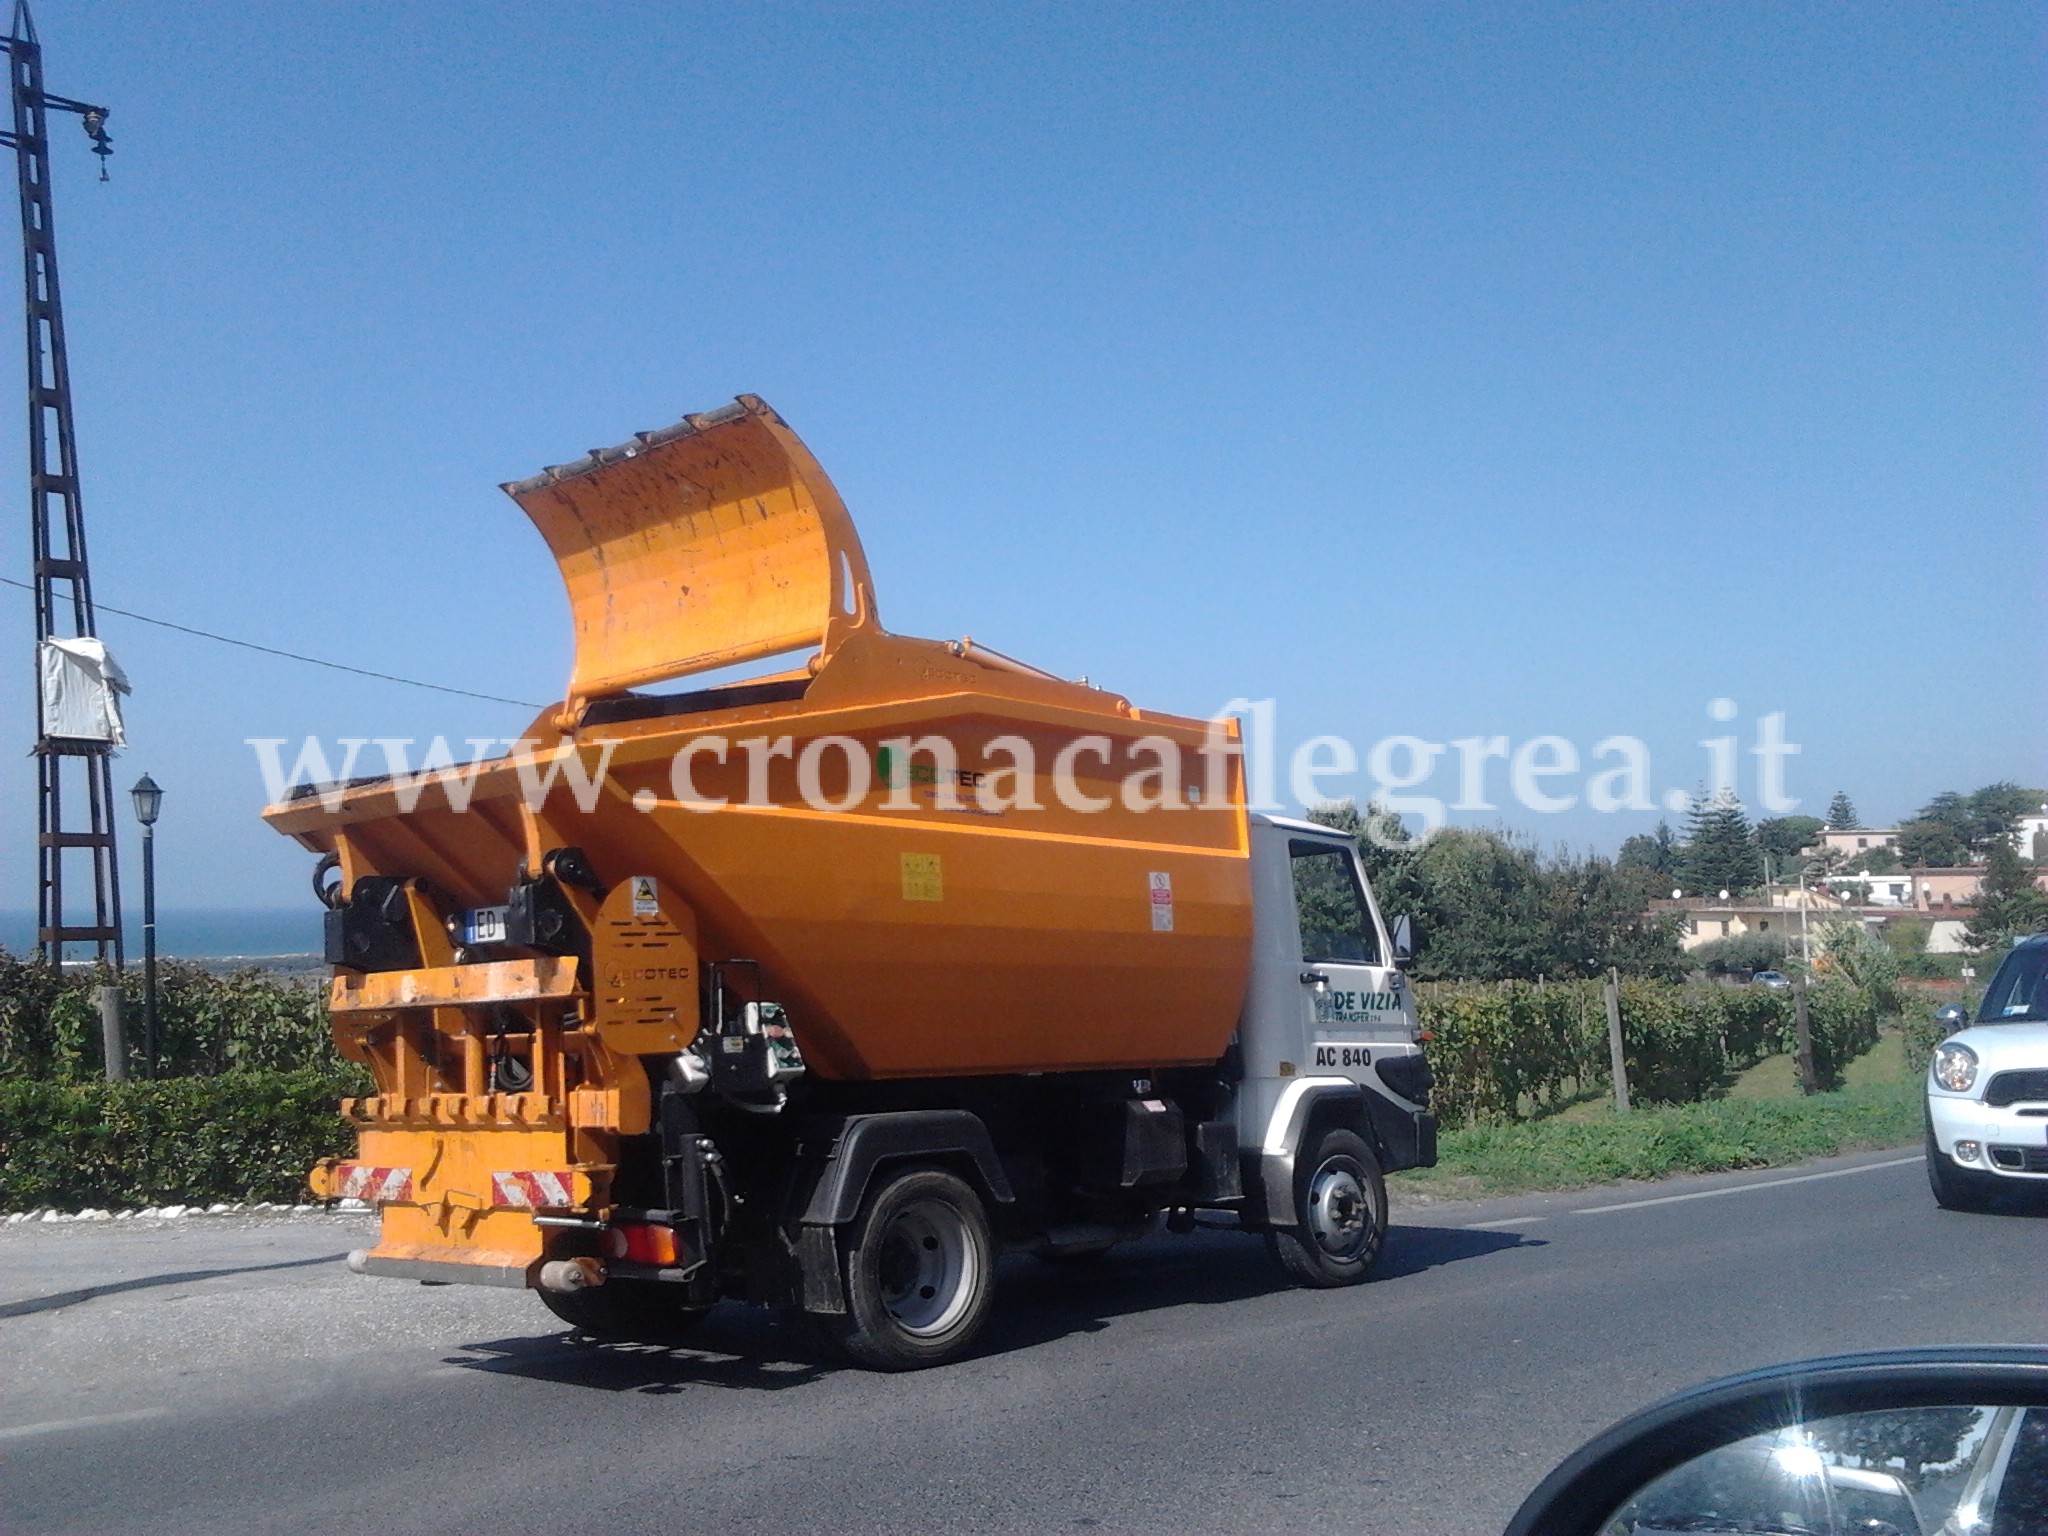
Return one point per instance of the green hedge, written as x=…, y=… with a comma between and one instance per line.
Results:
x=1503, y=1051
x=207, y=1024
x=186, y=1141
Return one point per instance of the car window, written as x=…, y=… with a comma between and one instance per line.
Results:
x=2019, y=992
x=1336, y=924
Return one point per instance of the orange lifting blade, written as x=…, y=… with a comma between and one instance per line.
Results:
x=710, y=543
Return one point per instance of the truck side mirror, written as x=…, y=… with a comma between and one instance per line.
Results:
x=1404, y=942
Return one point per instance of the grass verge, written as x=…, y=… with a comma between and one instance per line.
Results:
x=1712, y=1137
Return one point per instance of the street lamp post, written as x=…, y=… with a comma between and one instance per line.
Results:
x=149, y=800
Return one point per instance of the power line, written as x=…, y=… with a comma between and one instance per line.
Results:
x=311, y=661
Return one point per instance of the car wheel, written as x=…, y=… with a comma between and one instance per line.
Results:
x=627, y=1312
x=1340, y=1210
x=920, y=1272
x=1957, y=1189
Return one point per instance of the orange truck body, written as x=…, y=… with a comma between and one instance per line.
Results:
x=908, y=930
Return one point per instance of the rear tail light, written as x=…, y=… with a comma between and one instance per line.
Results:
x=640, y=1243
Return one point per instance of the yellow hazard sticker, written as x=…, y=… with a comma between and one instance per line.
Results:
x=922, y=878
x=645, y=902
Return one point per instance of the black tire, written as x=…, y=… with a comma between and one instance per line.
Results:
x=1340, y=1207
x=920, y=1272
x=1957, y=1189
x=1084, y=1261
x=627, y=1312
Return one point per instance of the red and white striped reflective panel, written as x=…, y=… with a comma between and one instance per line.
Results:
x=530, y=1190
x=359, y=1181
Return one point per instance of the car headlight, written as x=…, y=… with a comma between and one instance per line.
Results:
x=1955, y=1067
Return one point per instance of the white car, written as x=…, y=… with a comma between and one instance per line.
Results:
x=1987, y=1089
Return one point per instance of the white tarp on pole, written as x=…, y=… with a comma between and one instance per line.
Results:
x=82, y=687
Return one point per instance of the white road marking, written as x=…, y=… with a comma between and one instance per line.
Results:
x=90, y=1421
x=1503, y=1221
x=1743, y=1189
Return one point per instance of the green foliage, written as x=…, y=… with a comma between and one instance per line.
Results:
x=1750, y=952
x=207, y=1024
x=1973, y=823
x=1881, y=860
x=1842, y=815
x=1692, y=1138
x=1720, y=852
x=1923, y=1033
x=2009, y=903
x=1908, y=936
x=1919, y=1437
x=1506, y=1051
x=1786, y=837
x=1930, y=843
x=1842, y=1021
x=1846, y=948
x=1996, y=811
x=1489, y=908
x=1658, y=852
x=245, y=1136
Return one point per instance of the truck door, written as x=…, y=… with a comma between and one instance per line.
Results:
x=1353, y=1001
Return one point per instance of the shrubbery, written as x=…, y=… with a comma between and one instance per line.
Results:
x=246, y=1101
x=1506, y=1050
x=207, y=1024
x=243, y=1136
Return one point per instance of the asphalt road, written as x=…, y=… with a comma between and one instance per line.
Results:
x=228, y=1374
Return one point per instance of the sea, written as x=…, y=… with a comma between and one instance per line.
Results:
x=221, y=937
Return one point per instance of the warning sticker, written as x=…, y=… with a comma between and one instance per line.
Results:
x=1162, y=900
x=923, y=880
x=645, y=902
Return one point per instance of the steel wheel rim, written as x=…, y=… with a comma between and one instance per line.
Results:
x=1339, y=1210
x=929, y=1268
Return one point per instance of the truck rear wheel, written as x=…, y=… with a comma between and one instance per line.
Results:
x=920, y=1272
x=627, y=1312
x=1340, y=1211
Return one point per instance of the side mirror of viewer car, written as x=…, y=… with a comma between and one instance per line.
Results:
x=1952, y=1016
x=1932, y=1442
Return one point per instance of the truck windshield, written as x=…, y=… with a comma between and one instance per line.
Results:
x=2018, y=994
x=1336, y=924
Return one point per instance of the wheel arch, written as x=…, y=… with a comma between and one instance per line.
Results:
x=1307, y=1107
x=848, y=1152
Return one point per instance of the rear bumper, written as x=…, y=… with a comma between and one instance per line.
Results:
x=506, y=1270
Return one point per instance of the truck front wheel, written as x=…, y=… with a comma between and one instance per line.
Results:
x=1340, y=1213
x=920, y=1272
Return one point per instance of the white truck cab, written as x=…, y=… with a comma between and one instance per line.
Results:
x=1335, y=1087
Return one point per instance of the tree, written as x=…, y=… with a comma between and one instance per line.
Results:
x=1881, y=860
x=1786, y=837
x=1950, y=809
x=1720, y=852
x=1657, y=852
x=1489, y=908
x=1996, y=811
x=2009, y=903
x=1919, y=1437
x=1842, y=812
x=1930, y=843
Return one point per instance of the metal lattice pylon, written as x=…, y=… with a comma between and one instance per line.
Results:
x=74, y=777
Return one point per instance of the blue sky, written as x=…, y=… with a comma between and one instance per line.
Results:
x=1445, y=371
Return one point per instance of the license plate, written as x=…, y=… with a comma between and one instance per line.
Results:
x=484, y=925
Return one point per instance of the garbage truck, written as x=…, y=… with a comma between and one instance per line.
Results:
x=790, y=961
